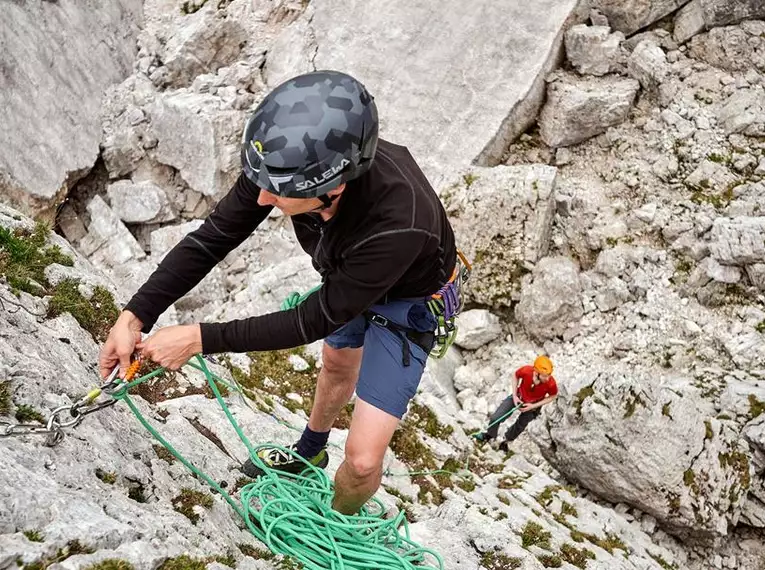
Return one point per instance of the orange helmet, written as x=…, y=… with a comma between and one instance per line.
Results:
x=543, y=365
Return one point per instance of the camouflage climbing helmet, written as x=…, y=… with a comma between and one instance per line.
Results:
x=310, y=134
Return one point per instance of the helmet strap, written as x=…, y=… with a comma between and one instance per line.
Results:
x=327, y=200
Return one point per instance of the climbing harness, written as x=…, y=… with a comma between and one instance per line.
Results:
x=291, y=514
x=425, y=340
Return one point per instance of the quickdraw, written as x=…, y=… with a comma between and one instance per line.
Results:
x=57, y=421
x=446, y=303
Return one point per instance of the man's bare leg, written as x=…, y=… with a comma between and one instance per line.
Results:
x=360, y=474
x=337, y=381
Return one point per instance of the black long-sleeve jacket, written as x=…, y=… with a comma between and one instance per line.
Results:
x=390, y=238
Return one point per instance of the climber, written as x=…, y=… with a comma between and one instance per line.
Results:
x=532, y=388
x=379, y=237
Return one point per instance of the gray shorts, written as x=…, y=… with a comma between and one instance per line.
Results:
x=384, y=381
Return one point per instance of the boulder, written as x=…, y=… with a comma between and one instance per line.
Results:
x=629, y=17
x=140, y=202
x=648, y=64
x=744, y=112
x=734, y=48
x=550, y=298
x=476, y=328
x=738, y=241
x=580, y=108
x=592, y=50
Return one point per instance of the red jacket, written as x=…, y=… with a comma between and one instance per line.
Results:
x=530, y=393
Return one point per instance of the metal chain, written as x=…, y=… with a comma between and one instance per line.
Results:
x=53, y=428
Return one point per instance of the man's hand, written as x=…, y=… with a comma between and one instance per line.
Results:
x=171, y=347
x=120, y=344
x=516, y=399
x=527, y=407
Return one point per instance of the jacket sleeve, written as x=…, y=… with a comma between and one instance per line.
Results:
x=234, y=218
x=363, y=277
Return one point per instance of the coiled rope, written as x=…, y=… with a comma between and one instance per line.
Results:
x=293, y=515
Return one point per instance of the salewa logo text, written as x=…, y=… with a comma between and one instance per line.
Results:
x=326, y=175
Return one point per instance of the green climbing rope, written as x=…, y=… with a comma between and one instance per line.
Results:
x=295, y=298
x=293, y=515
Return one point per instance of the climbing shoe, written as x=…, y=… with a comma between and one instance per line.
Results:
x=483, y=436
x=280, y=460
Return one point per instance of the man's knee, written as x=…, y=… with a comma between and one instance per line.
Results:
x=341, y=363
x=362, y=465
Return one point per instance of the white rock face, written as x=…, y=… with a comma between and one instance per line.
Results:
x=477, y=327
x=550, y=298
x=58, y=58
x=580, y=108
x=517, y=204
x=495, y=91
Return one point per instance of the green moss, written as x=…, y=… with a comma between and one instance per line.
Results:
x=719, y=158
x=163, y=453
x=25, y=414
x=756, y=407
x=423, y=418
x=665, y=410
x=256, y=553
x=760, y=327
x=111, y=564
x=581, y=396
x=469, y=178
x=511, y=481
x=409, y=448
x=398, y=494
x=689, y=478
x=498, y=561
x=467, y=485
x=533, y=534
x=576, y=556
x=185, y=502
x=610, y=543
x=227, y=560
x=546, y=496
x=503, y=499
x=429, y=491
x=184, y=562
x=708, y=433
x=569, y=510
x=24, y=257
x=739, y=463
x=108, y=477
x=5, y=397
x=663, y=563
x=192, y=6
x=272, y=373
x=550, y=560
x=633, y=400
x=723, y=417
x=96, y=315
x=578, y=536
x=34, y=535
x=73, y=548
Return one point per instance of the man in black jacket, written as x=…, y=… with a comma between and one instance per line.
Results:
x=380, y=239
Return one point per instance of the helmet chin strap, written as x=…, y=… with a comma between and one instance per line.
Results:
x=327, y=201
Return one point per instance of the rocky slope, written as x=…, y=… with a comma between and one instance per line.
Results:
x=623, y=235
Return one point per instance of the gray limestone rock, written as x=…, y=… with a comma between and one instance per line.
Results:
x=738, y=241
x=700, y=15
x=140, y=202
x=477, y=327
x=629, y=17
x=592, y=50
x=744, y=112
x=648, y=64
